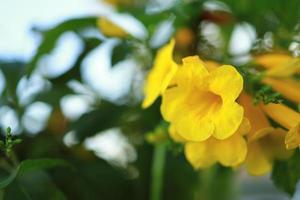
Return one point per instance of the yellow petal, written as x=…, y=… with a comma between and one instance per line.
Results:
x=192, y=71
x=257, y=162
x=174, y=135
x=244, y=127
x=272, y=60
x=231, y=151
x=192, y=128
x=289, y=88
x=228, y=120
x=292, y=139
x=161, y=74
x=171, y=100
x=199, y=154
x=211, y=65
x=285, y=70
x=109, y=28
x=282, y=114
x=274, y=143
x=260, y=125
x=226, y=82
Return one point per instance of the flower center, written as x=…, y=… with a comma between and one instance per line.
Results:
x=204, y=102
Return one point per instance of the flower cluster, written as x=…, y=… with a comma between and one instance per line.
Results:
x=216, y=120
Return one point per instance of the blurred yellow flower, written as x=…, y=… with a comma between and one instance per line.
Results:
x=265, y=144
x=108, y=28
x=264, y=150
x=160, y=75
x=279, y=65
x=288, y=87
x=287, y=118
x=120, y=2
x=202, y=103
x=229, y=152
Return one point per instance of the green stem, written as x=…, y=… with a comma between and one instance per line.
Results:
x=158, y=164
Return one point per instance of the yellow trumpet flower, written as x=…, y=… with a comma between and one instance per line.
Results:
x=201, y=104
x=265, y=144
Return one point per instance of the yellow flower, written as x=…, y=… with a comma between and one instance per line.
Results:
x=289, y=88
x=160, y=75
x=229, y=152
x=265, y=144
x=108, y=28
x=202, y=103
x=264, y=150
x=272, y=60
x=287, y=118
x=279, y=65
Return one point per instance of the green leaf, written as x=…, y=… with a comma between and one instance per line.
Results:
x=51, y=36
x=32, y=165
x=286, y=174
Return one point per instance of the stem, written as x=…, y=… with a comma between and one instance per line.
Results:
x=158, y=164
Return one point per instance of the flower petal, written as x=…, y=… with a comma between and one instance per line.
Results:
x=227, y=120
x=274, y=143
x=199, y=154
x=192, y=128
x=160, y=76
x=272, y=60
x=257, y=162
x=260, y=125
x=227, y=82
x=292, y=139
x=289, y=88
x=171, y=100
x=174, y=135
x=285, y=70
x=231, y=151
x=282, y=114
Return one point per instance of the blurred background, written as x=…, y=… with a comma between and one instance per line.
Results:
x=72, y=91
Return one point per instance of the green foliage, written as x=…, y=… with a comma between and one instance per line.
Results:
x=266, y=95
x=287, y=174
x=9, y=142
